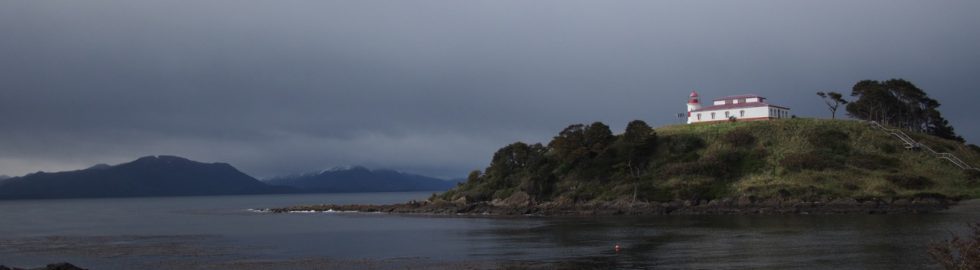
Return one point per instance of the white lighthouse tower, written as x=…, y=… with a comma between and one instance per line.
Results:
x=693, y=104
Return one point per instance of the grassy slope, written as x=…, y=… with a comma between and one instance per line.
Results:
x=807, y=159
x=787, y=138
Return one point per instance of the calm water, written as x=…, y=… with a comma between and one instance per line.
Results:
x=144, y=232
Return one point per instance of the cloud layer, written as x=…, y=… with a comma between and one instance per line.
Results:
x=432, y=87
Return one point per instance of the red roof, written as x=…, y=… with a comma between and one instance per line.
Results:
x=739, y=97
x=739, y=105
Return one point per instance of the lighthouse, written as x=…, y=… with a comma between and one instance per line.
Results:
x=692, y=105
x=748, y=107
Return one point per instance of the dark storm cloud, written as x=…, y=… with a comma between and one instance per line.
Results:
x=432, y=87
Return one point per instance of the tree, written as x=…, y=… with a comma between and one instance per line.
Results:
x=637, y=143
x=901, y=104
x=517, y=165
x=579, y=145
x=637, y=131
x=833, y=101
x=569, y=145
x=598, y=136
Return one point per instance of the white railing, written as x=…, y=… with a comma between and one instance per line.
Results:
x=913, y=144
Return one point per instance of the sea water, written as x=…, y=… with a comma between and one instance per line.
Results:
x=167, y=232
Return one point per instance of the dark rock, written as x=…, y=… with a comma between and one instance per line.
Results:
x=62, y=266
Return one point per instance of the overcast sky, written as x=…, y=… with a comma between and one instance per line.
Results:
x=433, y=87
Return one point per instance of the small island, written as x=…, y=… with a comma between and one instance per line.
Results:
x=785, y=166
x=776, y=165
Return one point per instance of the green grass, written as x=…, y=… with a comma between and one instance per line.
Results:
x=865, y=159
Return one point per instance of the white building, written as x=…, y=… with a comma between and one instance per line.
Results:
x=737, y=108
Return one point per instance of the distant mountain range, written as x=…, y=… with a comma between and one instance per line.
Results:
x=361, y=179
x=177, y=176
x=147, y=176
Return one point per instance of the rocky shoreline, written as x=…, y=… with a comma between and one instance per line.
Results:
x=521, y=205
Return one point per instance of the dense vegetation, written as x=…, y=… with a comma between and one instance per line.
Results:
x=806, y=159
x=898, y=103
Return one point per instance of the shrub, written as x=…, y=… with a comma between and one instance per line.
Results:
x=830, y=141
x=872, y=161
x=738, y=137
x=810, y=161
x=732, y=164
x=684, y=144
x=909, y=181
x=725, y=165
x=477, y=195
x=503, y=193
x=886, y=147
x=586, y=192
x=698, y=189
x=958, y=253
x=687, y=168
x=973, y=176
x=975, y=148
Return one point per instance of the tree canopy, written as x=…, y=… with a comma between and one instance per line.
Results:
x=899, y=103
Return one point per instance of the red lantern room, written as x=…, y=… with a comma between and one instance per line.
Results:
x=694, y=98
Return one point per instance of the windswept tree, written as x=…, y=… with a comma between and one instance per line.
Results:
x=833, y=101
x=899, y=103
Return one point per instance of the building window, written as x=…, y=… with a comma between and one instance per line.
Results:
x=699, y=117
x=712, y=115
x=727, y=114
x=741, y=113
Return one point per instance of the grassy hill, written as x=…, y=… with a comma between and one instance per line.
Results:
x=804, y=159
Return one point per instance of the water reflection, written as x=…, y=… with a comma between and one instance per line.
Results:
x=718, y=242
x=670, y=242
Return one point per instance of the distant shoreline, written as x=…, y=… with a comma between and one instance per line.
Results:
x=741, y=206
